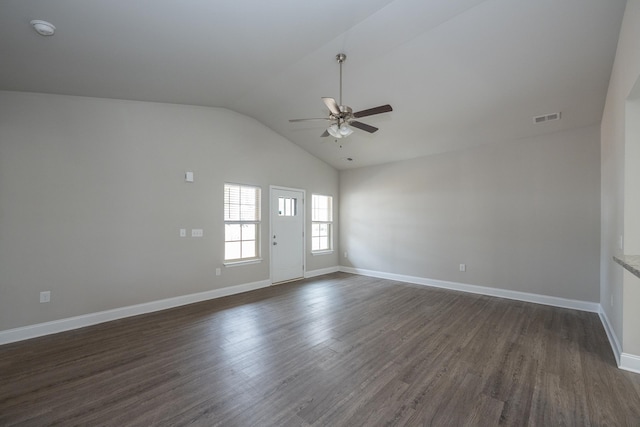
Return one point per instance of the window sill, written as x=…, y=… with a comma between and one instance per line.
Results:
x=322, y=252
x=241, y=263
x=629, y=262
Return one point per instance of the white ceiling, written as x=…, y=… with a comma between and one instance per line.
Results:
x=458, y=73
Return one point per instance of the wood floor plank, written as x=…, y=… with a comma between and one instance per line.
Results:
x=338, y=350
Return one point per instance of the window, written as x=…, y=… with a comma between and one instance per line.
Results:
x=287, y=206
x=322, y=218
x=241, y=222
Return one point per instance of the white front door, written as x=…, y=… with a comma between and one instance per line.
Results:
x=287, y=234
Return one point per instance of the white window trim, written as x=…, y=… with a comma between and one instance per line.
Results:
x=243, y=261
x=330, y=223
x=322, y=252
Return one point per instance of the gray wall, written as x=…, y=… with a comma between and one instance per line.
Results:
x=523, y=216
x=619, y=292
x=92, y=196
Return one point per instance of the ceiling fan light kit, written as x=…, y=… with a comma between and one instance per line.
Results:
x=339, y=132
x=343, y=116
x=334, y=131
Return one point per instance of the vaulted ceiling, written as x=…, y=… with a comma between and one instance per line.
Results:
x=458, y=73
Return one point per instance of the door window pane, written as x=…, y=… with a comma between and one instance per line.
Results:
x=287, y=206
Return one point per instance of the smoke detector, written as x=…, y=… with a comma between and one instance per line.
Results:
x=43, y=28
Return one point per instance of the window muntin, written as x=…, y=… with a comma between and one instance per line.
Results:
x=241, y=222
x=322, y=219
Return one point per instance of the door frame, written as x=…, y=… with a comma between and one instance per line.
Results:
x=304, y=228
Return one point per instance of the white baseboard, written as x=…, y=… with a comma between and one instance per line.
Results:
x=320, y=272
x=482, y=290
x=626, y=361
x=630, y=362
x=613, y=339
x=53, y=327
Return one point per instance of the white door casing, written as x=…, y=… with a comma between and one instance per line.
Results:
x=287, y=215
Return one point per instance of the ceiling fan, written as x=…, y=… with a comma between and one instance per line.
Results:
x=342, y=116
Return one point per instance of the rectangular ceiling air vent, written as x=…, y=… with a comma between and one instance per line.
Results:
x=546, y=118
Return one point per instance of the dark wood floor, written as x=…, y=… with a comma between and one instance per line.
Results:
x=335, y=350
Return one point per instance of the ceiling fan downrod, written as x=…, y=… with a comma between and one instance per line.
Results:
x=341, y=57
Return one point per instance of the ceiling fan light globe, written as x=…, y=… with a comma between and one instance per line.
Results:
x=345, y=130
x=334, y=131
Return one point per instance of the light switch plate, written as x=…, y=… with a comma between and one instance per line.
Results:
x=183, y=232
x=197, y=232
x=188, y=176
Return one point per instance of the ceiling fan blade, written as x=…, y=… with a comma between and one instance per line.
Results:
x=363, y=126
x=324, y=134
x=307, y=120
x=372, y=111
x=332, y=105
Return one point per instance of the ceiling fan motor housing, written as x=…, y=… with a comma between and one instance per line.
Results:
x=346, y=114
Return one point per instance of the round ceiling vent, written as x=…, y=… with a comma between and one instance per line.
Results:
x=43, y=28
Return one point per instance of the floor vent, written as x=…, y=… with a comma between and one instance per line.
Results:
x=546, y=118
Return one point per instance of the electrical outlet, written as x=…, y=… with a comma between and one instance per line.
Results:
x=45, y=296
x=218, y=271
x=463, y=267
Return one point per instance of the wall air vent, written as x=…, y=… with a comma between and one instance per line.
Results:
x=546, y=118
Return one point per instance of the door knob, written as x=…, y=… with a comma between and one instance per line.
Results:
x=275, y=243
